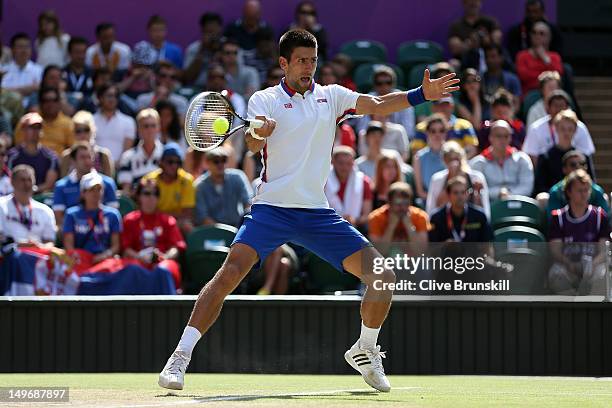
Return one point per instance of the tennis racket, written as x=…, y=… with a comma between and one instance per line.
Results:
x=202, y=112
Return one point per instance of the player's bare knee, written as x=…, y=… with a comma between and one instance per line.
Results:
x=229, y=275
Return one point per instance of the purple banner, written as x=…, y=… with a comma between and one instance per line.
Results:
x=391, y=22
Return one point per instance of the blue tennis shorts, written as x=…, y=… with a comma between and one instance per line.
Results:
x=319, y=230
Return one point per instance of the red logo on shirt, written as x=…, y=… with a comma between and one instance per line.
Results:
x=288, y=106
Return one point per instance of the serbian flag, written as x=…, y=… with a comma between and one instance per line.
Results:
x=33, y=271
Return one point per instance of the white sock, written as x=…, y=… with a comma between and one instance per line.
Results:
x=189, y=339
x=368, y=337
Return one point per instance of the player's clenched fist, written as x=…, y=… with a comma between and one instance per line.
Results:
x=268, y=127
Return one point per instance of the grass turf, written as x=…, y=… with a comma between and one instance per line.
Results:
x=242, y=390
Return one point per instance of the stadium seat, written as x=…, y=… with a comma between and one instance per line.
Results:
x=362, y=51
x=364, y=75
x=126, y=205
x=45, y=198
x=200, y=266
x=515, y=211
x=517, y=237
x=530, y=99
x=210, y=237
x=530, y=269
x=326, y=279
x=415, y=77
x=411, y=53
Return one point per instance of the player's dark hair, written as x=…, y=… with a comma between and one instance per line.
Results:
x=105, y=87
x=155, y=19
x=17, y=37
x=207, y=18
x=103, y=27
x=293, y=39
x=76, y=41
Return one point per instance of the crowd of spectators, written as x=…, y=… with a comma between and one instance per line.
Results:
x=90, y=123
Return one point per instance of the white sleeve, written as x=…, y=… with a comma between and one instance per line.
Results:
x=484, y=194
x=130, y=129
x=344, y=100
x=259, y=106
x=50, y=227
x=584, y=142
x=530, y=144
x=435, y=188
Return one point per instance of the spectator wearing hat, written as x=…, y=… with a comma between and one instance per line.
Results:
x=150, y=236
x=164, y=90
x=507, y=170
x=177, y=194
x=6, y=186
x=577, y=233
x=115, y=130
x=145, y=156
x=398, y=220
x=107, y=52
x=90, y=225
x=541, y=135
x=57, y=127
x=459, y=220
x=459, y=130
x=23, y=219
x=555, y=199
x=31, y=152
x=200, y=53
x=157, y=46
x=22, y=75
x=66, y=193
x=85, y=131
x=385, y=82
x=549, y=169
x=502, y=108
x=222, y=195
x=348, y=190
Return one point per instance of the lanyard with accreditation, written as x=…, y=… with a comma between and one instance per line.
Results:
x=449, y=223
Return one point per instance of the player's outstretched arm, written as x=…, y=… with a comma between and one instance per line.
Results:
x=430, y=90
x=255, y=145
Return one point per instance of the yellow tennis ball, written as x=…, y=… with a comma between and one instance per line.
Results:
x=220, y=125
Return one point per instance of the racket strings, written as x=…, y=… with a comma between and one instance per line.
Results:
x=200, y=119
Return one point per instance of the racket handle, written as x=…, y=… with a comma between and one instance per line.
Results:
x=255, y=123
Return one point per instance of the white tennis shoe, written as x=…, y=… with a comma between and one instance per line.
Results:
x=369, y=364
x=173, y=374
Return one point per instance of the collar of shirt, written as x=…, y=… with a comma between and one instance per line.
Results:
x=488, y=153
x=291, y=92
x=157, y=151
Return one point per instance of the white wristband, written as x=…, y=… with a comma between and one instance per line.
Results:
x=251, y=132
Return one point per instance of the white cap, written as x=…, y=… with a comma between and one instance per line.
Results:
x=91, y=180
x=500, y=123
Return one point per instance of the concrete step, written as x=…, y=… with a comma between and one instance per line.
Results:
x=592, y=80
x=584, y=94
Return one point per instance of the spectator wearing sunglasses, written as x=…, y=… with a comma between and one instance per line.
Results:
x=31, y=152
x=145, y=156
x=385, y=82
x=164, y=90
x=306, y=18
x=177, y=194
x=240, y=78
x=66, y=193
x=222, y=195
x=57, y=127
x=150, y=236
x=549, y=169
x=85, y=131
x=556, y=198
x=23, y=219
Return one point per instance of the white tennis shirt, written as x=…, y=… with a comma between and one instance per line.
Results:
x=297, y=156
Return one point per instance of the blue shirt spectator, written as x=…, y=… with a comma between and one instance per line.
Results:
x=157, y=47
x=92, y=229
x=222, y=195
x=67, y=192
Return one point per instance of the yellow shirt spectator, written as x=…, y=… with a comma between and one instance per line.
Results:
x=177, y=195
x=57, y=134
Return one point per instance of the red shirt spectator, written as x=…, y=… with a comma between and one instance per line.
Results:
x=145, y=230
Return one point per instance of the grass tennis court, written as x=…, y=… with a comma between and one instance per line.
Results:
x=246, y=390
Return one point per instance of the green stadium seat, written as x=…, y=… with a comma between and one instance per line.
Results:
x=326, y=279
x=45, y=198
x=415, y=77
x=363, y=51
x=411, y=53
x=516, y=237
x=363, y=76
x=210, y=237
x=200, y=266
x=531, y=266
x=126, y=205
x=515, y=211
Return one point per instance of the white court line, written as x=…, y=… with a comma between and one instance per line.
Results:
x=254, y=396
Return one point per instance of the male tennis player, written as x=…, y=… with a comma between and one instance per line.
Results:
x=290, y=205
